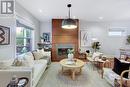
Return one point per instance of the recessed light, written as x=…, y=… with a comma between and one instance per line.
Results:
x=74, y=17
x=40, y=10
x=94, y=39
x=100, y=18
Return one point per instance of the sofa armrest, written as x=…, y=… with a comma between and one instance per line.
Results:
x=48, y=58
x=21, y=68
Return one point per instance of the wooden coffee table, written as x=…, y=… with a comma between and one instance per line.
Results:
x=72, y=67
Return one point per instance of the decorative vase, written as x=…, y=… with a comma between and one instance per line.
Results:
x=70, y=56
x=42, y=40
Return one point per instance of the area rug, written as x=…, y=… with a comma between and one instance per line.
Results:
x=53, y=77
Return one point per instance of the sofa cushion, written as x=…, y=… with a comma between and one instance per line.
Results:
x=30, y=54
x=110, y=75
x=38, y=55
x=45, y=54
x=6, y=63
x=48, y=59
x=27, y=61
x=39, y=67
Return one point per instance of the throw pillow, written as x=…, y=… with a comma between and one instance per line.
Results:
x=38, y=55
x=119, y=67
x=30, y=54
x=116, y=67
x=17, y=62
x=28, y=61
x=41, y=50
x=124, y=66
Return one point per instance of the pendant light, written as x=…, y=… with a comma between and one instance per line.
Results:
x=69, y=23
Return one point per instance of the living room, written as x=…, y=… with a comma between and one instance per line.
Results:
x=36, y=50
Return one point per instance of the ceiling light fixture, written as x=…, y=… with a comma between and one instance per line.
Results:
x=69, y=23
x=40, y=10
x=101, y=18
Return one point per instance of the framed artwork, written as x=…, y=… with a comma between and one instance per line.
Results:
x=4, y=35
x=46, y=37
x=85, y=38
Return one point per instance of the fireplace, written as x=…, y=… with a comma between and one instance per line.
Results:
x=62, y=50
x=62, y=39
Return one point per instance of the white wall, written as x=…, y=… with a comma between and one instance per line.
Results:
x=30, y=20
x=46, y=27
x=109, y=45
x=9, y=51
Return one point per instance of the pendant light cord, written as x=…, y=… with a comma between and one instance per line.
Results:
x=69, y=13
x=69, y=5
x=69, y=23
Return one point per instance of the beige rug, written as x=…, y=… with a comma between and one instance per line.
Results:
x=54, y=78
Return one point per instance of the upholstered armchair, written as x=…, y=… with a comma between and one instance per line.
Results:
x=94, y=59
x=113, y=78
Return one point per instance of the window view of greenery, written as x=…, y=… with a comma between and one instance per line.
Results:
x=23, y=40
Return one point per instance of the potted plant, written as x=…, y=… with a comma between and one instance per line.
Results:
x=128, y=39
x=96, y=46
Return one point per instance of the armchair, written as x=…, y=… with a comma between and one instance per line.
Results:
x=113, y=78
x=95, y=58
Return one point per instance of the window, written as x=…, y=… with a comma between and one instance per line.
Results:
x=117, y=32
x=23, y=39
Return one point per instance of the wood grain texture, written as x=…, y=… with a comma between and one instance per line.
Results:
x=63, y=36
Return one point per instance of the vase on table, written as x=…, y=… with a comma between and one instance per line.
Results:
x=42, y=40
x=70, y=56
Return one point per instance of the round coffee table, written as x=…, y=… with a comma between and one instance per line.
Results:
x=72, y=67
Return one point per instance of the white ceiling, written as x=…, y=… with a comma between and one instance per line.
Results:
x=87, y=10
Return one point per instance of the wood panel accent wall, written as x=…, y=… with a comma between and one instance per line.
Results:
x=63, y=36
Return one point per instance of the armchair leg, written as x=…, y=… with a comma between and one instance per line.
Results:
x=102, y=72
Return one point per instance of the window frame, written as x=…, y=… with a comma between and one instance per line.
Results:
x=24, y=37
x=117, y=32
